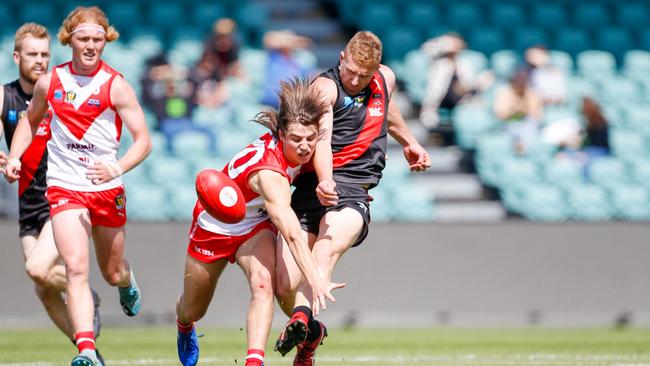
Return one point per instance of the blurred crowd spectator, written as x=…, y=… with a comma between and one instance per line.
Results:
x=282, y=63
x=450, y=81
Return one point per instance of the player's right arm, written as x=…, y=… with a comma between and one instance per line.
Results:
x=27, y=127
x=276, y=193
x=3, y=155
x=326, y=190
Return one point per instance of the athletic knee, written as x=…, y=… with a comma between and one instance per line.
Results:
x=262, y=284
x=37, y=272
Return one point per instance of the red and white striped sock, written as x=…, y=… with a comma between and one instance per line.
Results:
x=255, y=357
x=85, y=340
x=184, y=328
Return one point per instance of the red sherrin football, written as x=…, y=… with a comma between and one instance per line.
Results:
x=220, y=196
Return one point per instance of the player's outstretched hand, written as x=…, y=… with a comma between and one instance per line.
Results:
x=12, y=169
x=320, y=292
x=326, y=192
x=417, y=157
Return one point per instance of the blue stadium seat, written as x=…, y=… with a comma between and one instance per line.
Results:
x=544, y=203
x=165, y=13
x=506, y=15
x=524, y=37
x=636, y=63
x=147, y=202
x=504, y=63
x=168, y=171
x=205, y=13
x=124, y=15
x=518, y=171
x=608, y=171
x=398, y=42
x=370, y=14
x=181, y=202
x=464, y=15
x=487, y=40
x=628, y=145
x=41, y=13
x=616, y=40
x=640, y=169
x=563, y=173
x=595, y=64
x=589, y=202
x=562, y=60
x=252, y=18
x=421, y=15
x=548, y=15
x=470, y=123
x=590, y=15
x=190, y=145
x=630, y=14
x=643, y=35
x=572, y=40
x=620, y=90
x=637, y=117
x=631, y=202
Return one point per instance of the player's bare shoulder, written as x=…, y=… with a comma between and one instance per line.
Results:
x=327, y=88
x=389, y=76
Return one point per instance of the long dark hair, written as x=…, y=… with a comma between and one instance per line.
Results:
x=299, y=103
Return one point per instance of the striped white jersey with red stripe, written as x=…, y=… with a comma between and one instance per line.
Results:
x=85, y=127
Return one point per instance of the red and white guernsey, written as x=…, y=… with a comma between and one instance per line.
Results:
x=85, y=127
x=263, y=154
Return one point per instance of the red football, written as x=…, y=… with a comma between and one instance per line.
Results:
x=220, y=196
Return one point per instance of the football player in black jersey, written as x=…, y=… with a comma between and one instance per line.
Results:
x=332, y=202
x=42, y=261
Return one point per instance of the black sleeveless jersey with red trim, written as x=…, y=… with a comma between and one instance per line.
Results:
x=359, y=131
x=31, y=185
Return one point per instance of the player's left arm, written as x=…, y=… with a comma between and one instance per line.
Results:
x=126, y=104
x=416, y=156
x=276, y=193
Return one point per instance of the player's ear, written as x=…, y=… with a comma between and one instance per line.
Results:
x=16, y=57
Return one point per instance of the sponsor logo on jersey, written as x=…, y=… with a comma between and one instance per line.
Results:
x=42, y=131
x=358, y=101
x=12, y=116
x=120, y=201
x=81, y=147
x=347, y=101
x=376, y=95
x=375, y=111
x=377, y=102
x=58, y=95
x=94, y=102
x=70, y=97
x=84, y=159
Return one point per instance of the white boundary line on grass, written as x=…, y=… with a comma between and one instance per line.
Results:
x=473, y=359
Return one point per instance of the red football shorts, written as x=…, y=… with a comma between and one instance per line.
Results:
x=106, y=208
x=208, y=247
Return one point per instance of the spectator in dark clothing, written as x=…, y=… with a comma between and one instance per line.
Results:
x=220, y=60
x=170, y=96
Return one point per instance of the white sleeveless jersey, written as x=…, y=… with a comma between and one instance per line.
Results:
x=263, y=154
x=85, y=127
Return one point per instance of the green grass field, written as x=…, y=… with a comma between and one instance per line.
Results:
x=462, y=347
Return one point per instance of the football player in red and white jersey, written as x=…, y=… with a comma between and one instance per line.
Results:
x=263, y=171
x=42, y=261
x=89, y=102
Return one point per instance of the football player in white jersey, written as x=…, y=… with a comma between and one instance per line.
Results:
x=89, y=102
x=263, y=171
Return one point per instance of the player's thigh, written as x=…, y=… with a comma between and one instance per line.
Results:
x=256, y=256
x=109, y=246
x=288, y=274
x=71, y=229
x=43, y=253
x=199, y=281
x=339, y=230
